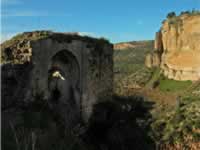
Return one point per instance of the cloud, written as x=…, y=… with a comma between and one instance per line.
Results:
x=11, y=2
x=8, y=12
x=31, y=13
x=23, y=13
x=95, y=35
x=92, y=34
x=112, y=37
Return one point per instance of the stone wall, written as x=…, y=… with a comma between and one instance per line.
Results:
x=71, y=72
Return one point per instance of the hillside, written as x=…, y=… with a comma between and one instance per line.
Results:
x=175, y=123
x=133, y=44
x=175, y=60
x=130, y=71
x=67, y=91
x=171, y=61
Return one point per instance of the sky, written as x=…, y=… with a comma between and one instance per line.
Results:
x=115, y=20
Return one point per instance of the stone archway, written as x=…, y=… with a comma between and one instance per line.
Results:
x=64, y=86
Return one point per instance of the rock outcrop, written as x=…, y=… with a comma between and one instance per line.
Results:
x=177, y=47
x=149, y=61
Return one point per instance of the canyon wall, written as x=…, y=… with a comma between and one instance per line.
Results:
x=177, y=47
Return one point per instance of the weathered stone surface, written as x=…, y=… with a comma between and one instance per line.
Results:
x=153, y=60
x=158, y=45
x=156, y=59
x=149, y=60
x=179, y=44
x=85, y=66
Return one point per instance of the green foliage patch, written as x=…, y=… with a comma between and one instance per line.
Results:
x=179, y=124
x=158, y=80
x=170, y=85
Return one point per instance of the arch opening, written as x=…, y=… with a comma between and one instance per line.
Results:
x=64, y=79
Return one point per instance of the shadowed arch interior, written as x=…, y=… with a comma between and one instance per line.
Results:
x=66, y=82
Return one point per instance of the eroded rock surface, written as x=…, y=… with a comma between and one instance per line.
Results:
x=178, y=43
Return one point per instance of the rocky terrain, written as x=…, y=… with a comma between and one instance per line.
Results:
x=175, y=115
x=175, y=123
x=177, y=47
x=46, y=86
x=43, y=103
x=130, y=71
x=131, y=45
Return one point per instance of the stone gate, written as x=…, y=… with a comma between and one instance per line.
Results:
x=72, y=72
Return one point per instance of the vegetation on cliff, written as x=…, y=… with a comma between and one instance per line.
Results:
x=12, y=46
x=123, y=123
x=173, y=18
x=175, y=123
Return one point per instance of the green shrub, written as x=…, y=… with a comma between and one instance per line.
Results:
x=178, y=124
x=173, y=85
x=171, y=15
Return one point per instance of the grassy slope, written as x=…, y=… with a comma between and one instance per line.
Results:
x=176, y=123
x=129, y=67
x=173, y=86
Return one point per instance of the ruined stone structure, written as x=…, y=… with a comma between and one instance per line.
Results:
x=71, y=72
x=177, y=48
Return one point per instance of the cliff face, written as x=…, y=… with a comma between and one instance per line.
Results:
x=177, y=48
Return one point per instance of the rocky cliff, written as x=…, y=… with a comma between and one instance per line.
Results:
x=177, y=47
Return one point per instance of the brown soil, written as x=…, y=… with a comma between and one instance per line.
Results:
x=155, y=95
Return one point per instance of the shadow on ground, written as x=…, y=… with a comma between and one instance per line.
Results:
x=120, y=124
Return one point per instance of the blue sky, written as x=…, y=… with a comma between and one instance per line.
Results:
x=116, y=20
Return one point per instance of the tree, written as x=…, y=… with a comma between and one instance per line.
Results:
x=171, y=14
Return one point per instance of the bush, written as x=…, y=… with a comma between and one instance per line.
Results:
x=180, y=125
x=120, y=124
x=185, y=12
x=173, y=85
x=171, y=15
